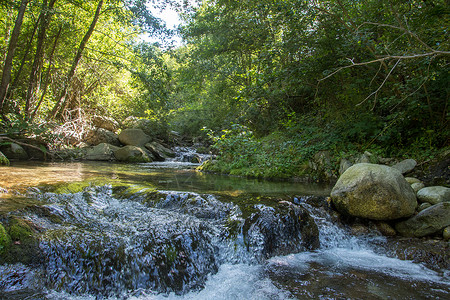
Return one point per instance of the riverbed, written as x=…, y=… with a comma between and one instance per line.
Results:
x=166, y=231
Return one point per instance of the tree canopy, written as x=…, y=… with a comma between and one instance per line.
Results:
x=361, y=72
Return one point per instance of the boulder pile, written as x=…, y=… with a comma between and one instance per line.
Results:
x=381, y=193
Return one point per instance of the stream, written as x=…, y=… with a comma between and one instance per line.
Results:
x=165, y=231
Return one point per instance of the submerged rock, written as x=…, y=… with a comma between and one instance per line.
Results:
x=426, y=222
x=374, y=192
x=280, y=230
x=434, y=194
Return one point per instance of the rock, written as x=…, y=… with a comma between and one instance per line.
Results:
x=434, y=194
x=405, y=166
x=102, y=152
x=105, y=123
x=193, y=158
x=385, y=161
x=280, y=230
x=426, y=222
x=359, y=229
x=446, y=233
x=412, y=180
x=153, y=128
x=374, y=192
x=386, y=229
x=133, y=137
x=423, y=206
x=14, y=151
x=344, y=165
x=133, y=154
x=431, y=253
x=417, y=186
x=159, y=150
x=100, y=135
x=321, y=164
x=367, y=157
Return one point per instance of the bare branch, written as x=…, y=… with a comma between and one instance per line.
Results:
x=389, y=57
x=415, y=36
x=379, y=88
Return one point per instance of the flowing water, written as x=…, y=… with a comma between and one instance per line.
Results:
x=164, y=231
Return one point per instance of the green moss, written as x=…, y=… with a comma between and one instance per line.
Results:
x=19, y=230
x=171, y=254
x=5, y=240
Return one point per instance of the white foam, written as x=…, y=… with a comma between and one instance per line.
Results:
x=239, y=281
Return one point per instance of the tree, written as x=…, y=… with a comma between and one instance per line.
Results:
x=7, y=67
x=61, y=101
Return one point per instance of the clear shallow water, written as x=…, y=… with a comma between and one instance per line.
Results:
x=105, y=242
x=174, y=176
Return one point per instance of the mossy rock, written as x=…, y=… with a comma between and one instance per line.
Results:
x=374, y=192
x=5, y=240
x=23, y=244
x=19, y=230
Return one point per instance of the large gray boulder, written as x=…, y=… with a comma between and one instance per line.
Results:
x=405, y=166
x=102, y=152
x=434, y=194
x=374, y=192
x=426, y=222
x=134, y=137
x=133, y=154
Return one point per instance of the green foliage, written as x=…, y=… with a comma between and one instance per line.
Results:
x=274, y=156
x=3, y=159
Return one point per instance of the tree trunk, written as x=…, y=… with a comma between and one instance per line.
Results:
x=38, y=57
x=24, y=59
x=47, y=75
x=6, y=76
x=61, y=101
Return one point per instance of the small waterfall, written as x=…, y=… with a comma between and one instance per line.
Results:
x=124, y=242
x=190, y=154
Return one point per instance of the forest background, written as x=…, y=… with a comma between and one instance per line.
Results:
x=268, y=83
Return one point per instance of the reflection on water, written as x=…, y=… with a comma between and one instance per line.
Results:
x=21, y=175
